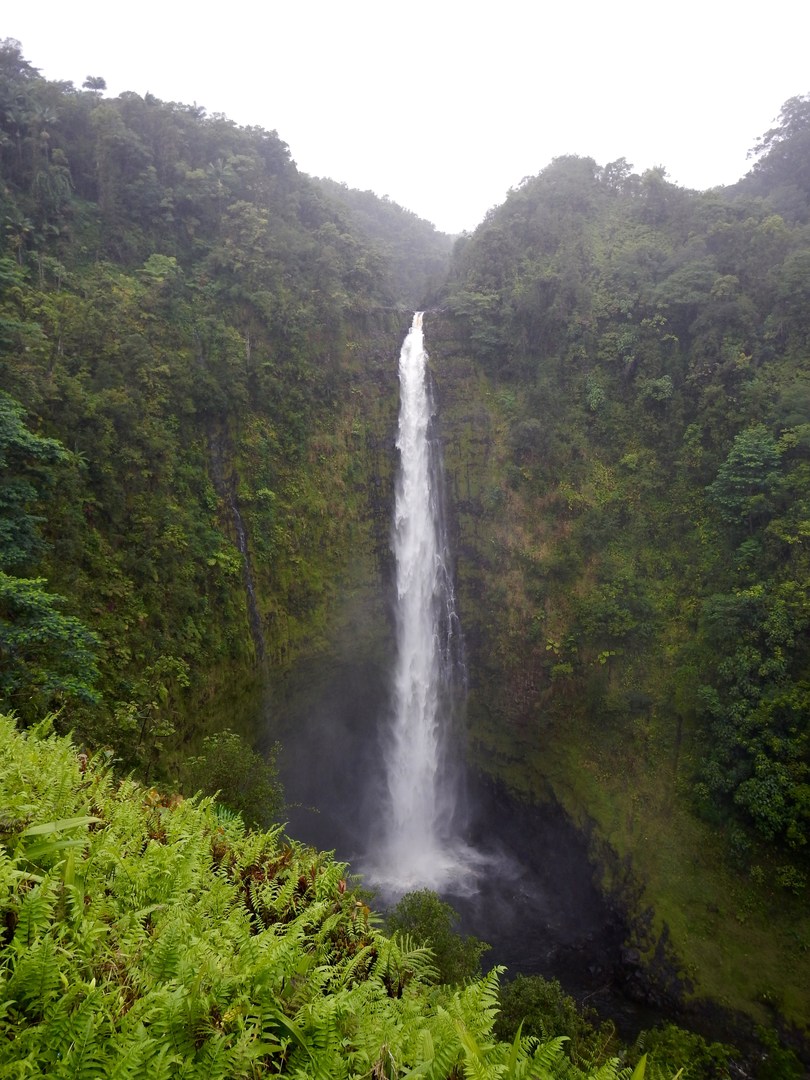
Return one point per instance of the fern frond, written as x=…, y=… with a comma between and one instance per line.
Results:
x=162, y=962
x=81, y=1051
x=613, y=1070
x=35, y=915
x=35, y=980
x=400, y=960
x=141, y=1056
x=548, y=1054
x=355, y=967
x=437, y=1049
x=215, y=1060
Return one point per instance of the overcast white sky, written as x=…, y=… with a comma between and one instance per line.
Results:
x=442, y=105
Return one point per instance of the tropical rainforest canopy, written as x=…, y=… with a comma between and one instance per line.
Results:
x=197, y=401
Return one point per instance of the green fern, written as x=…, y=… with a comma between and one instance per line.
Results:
x=80, y=1051
x=35, y=979
x=164, y=940
x=34, y=915
x=141, y=1056
x=399, y=960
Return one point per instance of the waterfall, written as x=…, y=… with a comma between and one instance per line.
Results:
x=419, y=848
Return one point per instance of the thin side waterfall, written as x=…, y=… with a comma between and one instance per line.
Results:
x=419, y=846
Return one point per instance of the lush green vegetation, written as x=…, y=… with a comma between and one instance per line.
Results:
x=242, y=781
x=626, y=402
x=425, y=917
x=414, y=252
x=197, y=397
x=190, y=335
x=541, y=1006
x=146, y=936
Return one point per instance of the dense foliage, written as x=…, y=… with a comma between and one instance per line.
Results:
x=417, y=256
x=541, y=1006
x=146, y=936
x=188, y=329
x=45, y=654
x=427, y=918
x=630, y=457
x=243, y=781
x=196, y=407
x=654, y=344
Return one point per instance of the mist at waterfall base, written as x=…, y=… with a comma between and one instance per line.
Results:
x=371, y=763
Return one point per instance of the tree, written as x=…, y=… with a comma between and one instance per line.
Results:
x=540, y=1007
x=427, y=918
x=783, y=168
x=25, y=461
x=45, y=655
x=242, y=780
x=748, y=480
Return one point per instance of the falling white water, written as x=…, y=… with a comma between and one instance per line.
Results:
x=418, y=848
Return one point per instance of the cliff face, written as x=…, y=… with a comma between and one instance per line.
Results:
x=625, y=416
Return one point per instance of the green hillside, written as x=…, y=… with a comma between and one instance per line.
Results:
x=626, y=401
x=197, y=409
x=195, y=363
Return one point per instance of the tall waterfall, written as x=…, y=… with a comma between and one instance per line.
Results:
x=418, y=847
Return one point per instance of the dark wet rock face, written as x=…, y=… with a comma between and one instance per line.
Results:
x=539, y=907
x=542, y=912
